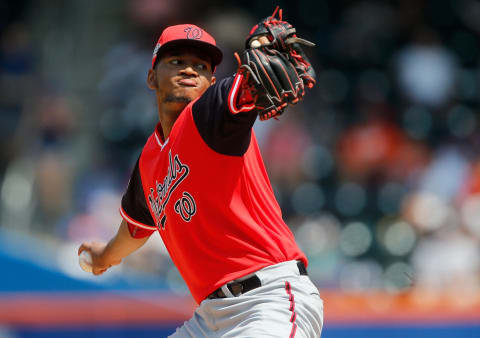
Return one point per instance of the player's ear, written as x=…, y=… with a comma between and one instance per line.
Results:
x=152, y=79
x=213, y=80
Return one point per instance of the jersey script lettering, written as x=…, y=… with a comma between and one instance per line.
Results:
x=159, y=197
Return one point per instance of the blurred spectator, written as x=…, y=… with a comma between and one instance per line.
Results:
x=364, y=32
x=44, y=141
x=426, y=70
x=447, y=261
x=366, y=149
x=16, y=62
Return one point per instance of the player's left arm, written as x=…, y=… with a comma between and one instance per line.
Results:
x=273, y=74
x=222, y=131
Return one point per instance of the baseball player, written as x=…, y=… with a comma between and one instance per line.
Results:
x=201, y=183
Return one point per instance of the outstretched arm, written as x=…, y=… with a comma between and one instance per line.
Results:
x=273, y=74
x=106, y=255
x=273, y=71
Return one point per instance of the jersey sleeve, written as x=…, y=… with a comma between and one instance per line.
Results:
x=134, y=209
x=224, y=128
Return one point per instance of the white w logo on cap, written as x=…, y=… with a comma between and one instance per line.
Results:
x=193, y=33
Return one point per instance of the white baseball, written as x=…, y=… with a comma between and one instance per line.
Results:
x=85, y=261
x=255, y=44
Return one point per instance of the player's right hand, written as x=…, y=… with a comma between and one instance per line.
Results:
x=101, y=261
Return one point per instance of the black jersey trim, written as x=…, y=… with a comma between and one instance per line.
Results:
x=222, y=131
x=134, y=204
x=134, y=222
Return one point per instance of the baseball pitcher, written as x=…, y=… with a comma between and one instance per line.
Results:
x=201, y=183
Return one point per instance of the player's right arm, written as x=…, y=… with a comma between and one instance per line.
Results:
x=106, y=255
x=136, y=227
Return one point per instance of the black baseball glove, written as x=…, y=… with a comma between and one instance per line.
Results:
x=276, y=72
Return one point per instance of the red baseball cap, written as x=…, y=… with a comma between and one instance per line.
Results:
x=189, y=35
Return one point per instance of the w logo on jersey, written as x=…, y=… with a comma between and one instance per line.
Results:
x=186, y=207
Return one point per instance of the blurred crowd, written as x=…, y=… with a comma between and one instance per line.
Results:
x=377, y=171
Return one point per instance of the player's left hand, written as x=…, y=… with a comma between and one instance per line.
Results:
x=273, y=32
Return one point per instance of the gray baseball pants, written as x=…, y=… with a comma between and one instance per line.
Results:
x=286, y=305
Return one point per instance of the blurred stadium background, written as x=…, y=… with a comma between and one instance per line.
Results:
x=377, y=172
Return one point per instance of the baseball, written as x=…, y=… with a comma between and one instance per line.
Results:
x=85, y=261
x=255, y=44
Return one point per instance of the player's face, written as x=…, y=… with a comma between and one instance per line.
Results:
x=181, y=76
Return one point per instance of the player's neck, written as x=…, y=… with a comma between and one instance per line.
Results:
x=167, y=119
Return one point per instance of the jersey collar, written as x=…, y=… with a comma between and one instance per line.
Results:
x=159, y=136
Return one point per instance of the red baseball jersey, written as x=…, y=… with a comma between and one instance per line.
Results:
x=206, y=191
